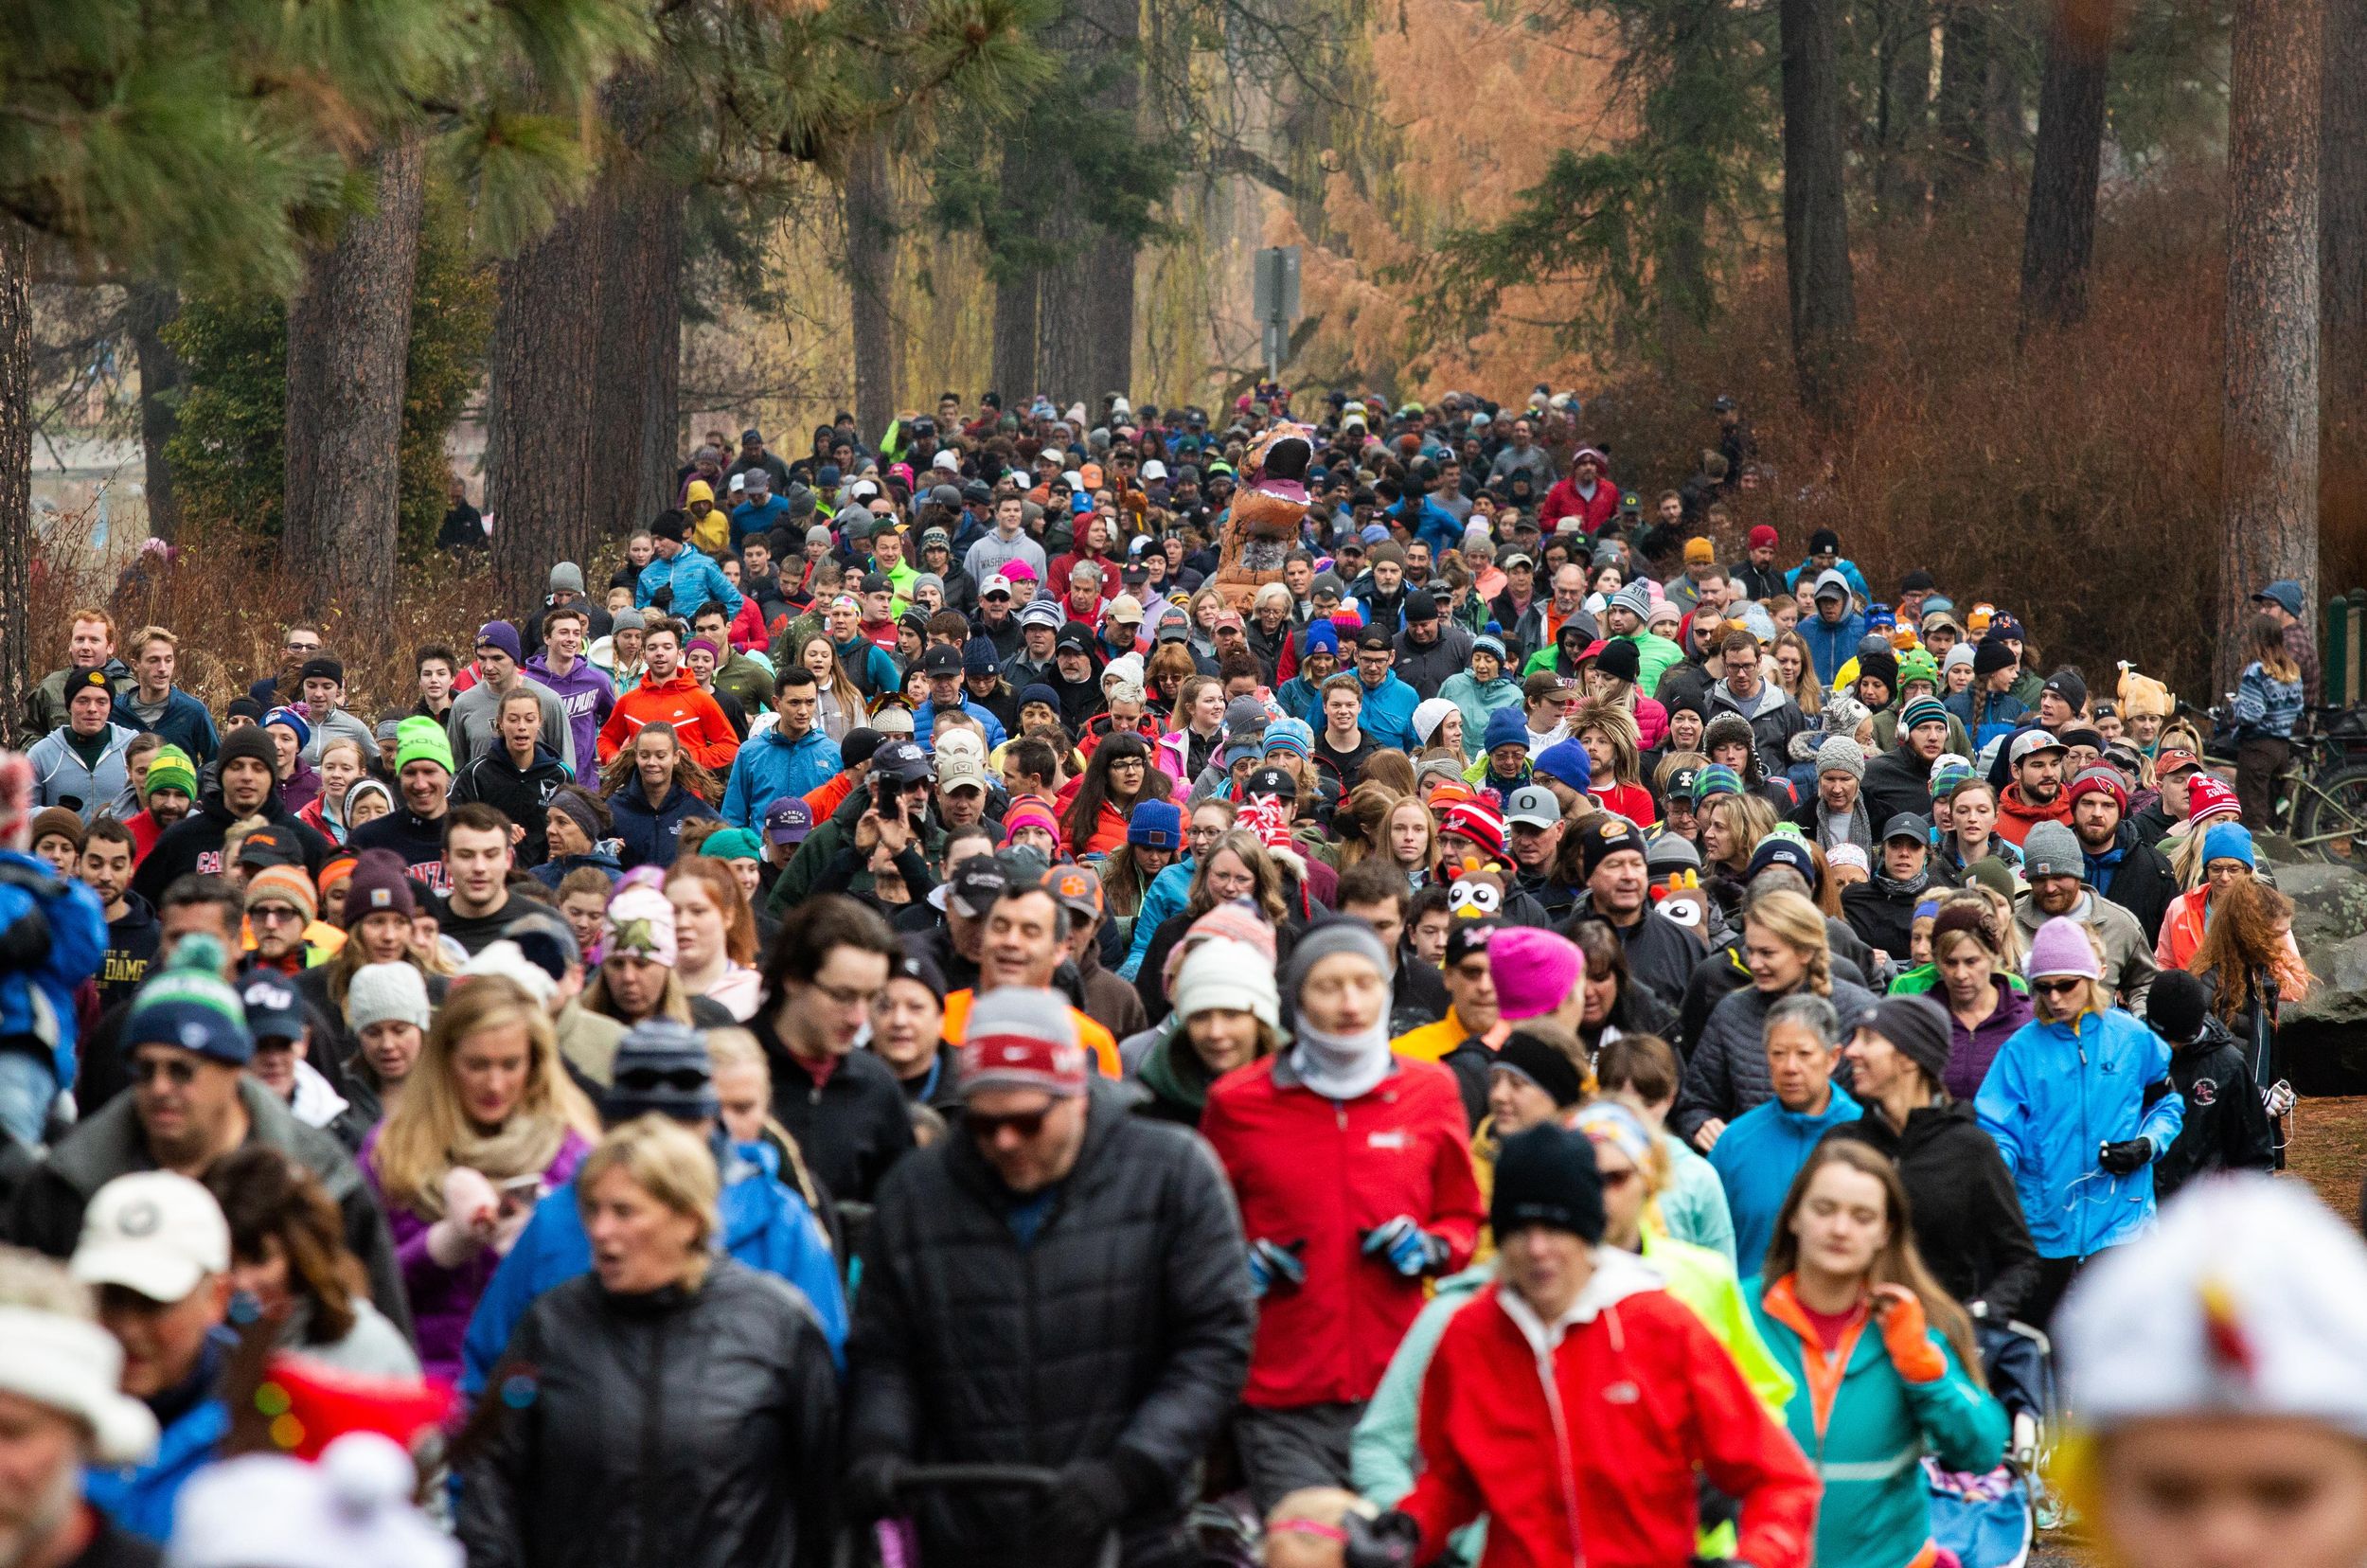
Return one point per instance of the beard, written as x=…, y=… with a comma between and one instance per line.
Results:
x=19, y=1538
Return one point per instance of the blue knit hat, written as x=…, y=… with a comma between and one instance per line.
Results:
x=1321, y=637
x=2228, y=841
x=294, y=721
x=1505, y=727
x=1038, y=692
x=1290, y=735
x=1156, y=825
x=1567, y=761
x=186, y=1005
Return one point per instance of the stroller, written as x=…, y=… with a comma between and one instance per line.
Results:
x=1991, y=1521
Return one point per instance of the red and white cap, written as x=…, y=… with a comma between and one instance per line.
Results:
x=1023, y=1037
x=1477, y=821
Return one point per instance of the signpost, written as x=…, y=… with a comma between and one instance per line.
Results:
x=1274, y=295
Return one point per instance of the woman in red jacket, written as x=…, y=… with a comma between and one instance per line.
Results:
x=1596, y=1466
x=1353, y=1169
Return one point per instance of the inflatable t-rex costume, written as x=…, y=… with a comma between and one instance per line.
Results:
x=1263, y=527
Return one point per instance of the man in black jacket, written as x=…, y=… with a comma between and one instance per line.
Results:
x=2121, y=865
x=2227, y=1126
x=843, y=1106
x=1060, y=1284
x=245, y=788
x=1899, y=780
x=1969, y=1220
x=1662, y=954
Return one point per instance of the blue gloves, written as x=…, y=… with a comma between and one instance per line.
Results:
x=1410, y=1250
x=1271, y=1266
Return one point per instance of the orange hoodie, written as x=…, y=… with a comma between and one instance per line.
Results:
x=2016, y=817
x=701, y=726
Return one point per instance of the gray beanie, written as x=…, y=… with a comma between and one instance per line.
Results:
x=627, y=619
x=568, y=577
x=1336, y=934
x=384, y=993
x=2052, y=850
x=1841, y=754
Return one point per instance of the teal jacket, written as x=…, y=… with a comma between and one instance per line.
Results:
x=1869, y=1446
x=1692, y=1204
x=1384, y=1450
x=1477, y=702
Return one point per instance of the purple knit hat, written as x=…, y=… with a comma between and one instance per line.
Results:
x=2062, y=948
x=1533, y=971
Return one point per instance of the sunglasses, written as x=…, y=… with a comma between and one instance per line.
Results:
x=647, y=1080
x=179, y=1073
x=985, y=1129
x=2056, y=988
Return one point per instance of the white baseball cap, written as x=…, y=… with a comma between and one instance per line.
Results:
x=152, y=1232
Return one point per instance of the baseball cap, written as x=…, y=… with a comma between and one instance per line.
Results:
x=788, y=820
x=1075, y=890
x=1907, y=825
x=1532, y=805
x=943, y=659
x=1074, y=639
x=273, y=1012
x=996, y=584
x=974, y=885
x=2031, y=743
x=153, y=1232
x=1271, y=781
x=959, y=769
x=900, y=761
x=2174, y=759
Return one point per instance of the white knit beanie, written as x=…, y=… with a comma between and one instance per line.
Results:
x=381, y=994
x=1221, y=973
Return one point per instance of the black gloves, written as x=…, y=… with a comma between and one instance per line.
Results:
x=1084, y=1505
x=871, y=1485
x=2124, y=1159
x=1389, y=1542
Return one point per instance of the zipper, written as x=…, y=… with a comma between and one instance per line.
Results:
x=1561, y=1451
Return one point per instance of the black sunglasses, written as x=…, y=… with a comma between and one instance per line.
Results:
x=644, y=1080
x=2056, y=988
x=1026, y=1124
x=179, y=1073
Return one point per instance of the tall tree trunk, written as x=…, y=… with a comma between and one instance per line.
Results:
x=17, y=631
x=1017, y=288
x=1961, y=110
x=1065, y=327
x=1816, y=211
x=1110, y=317
x=1902, y=122
x=2060, y=237
x=154, y=306
x=870, y=222
x=348, y=339
x=538, y=429
x=2343, y=272
x=636, y=231
x=2269, y=432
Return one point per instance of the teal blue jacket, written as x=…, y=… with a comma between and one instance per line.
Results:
x=1869, y=1447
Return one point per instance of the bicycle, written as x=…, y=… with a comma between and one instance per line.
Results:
x=2322, y=792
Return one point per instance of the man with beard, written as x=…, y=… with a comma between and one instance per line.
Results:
x=1074, y=677
x=2133, y=875
x=1430, y=649
x=1899, y=781
x=246, y=789
x=133, y=928
x=2036, y=796
x=1661, y=954
x=2056, y=870
x=166, y=793
x=1774, y=718
x=415, y=829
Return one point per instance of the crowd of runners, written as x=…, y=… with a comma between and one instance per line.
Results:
x=1521, y=1022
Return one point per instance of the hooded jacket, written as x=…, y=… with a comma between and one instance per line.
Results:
x=194, y=844
x=773, y=765
x=682, y=701
x=522, y=795
x=1117, y=1332
x=1968, y=1223
x=2016, y=817
x=2058, y=1093
x=56, y=934
x=694, y=578
x=1427, y=669
x=61, y=777
x=1831, y=644
x=133, y=939
x=1477, y=701
x=587, y=696
x=2227, y=1127
x=1582, y=1439
x=1318, y=1174
x=650, y=834
x=1759, y=1153
x=1866, y=1430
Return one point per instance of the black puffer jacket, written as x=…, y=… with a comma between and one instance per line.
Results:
x=2142, y=883
x=1968, y=1223
x=685, y=1429
x=1121, y=1334
x=1726, y=1071
x=852, y=1125
x=1662, y=954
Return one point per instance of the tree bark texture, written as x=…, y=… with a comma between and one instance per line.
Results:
x=1960, y=155
x=539, y=427
x=1064, y=326
x=2343, y=272
x=1016, y=293
x=870, y=220
x=2268, y=429
x=636, y=224
x=17, y=633
x=1903, y=111
x=2060, y=240
x=154, y=306
x=348, y=341
x=1816, y=212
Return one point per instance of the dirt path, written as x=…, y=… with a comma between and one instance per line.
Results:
x=2329, y=1151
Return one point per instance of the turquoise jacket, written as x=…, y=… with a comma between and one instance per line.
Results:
x=1757, y=1157
x=1477, y=702
x=1869, y=1446
x=1692, y=1204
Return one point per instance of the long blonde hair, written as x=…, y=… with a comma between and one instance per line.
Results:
x=1798, y=924
x=428, y=1131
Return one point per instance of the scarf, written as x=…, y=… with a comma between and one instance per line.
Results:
x=1907, y=887
x=1861, y=830
x=526, y=1145
x=1342, y=1067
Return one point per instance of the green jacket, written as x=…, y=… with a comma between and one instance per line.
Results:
x=1869, y=1446
x=1657, y=655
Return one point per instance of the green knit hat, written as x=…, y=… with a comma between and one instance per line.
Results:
x=171, y=769
x=419, y=739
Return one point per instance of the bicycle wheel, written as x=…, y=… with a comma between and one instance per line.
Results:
x=2330, y=816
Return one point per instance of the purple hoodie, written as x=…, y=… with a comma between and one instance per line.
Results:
x=1971, y=1051
x=587, y=695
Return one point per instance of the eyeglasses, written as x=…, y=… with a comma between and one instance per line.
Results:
x=179, y=1073
x=274, y=914
x=984, y=1129
x=2056, y=988
x=296, y=647
x=842, y=996
x=647, y=1079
